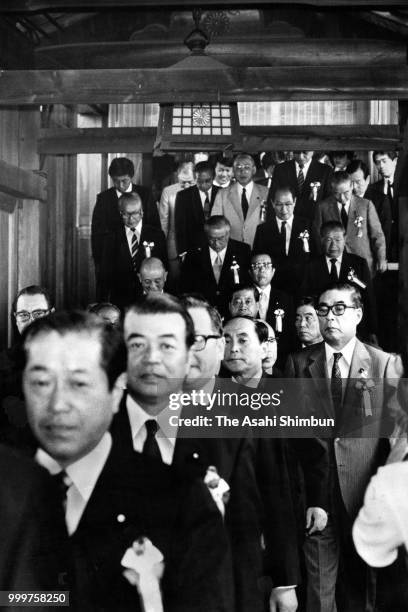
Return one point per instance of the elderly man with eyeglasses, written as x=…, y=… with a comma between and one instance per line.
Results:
x=274, y=306
x=355, y=384
x=124, y=249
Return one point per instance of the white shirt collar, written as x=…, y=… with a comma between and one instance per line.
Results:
x=338, y=262
x=203, y=195
x=289, y=222
x=248, y=189
x=213, y=255
x=305, y=167
x=166, y=434
x=347, y=351
x=138, y=228
x=128, y=190
x=83, y=474
x=346, y=206
x=222, y=186
x=265, y=290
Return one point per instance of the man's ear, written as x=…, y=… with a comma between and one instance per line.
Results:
x=165, y=275
x=117, y=391
x=264, y=349
x=139, y=277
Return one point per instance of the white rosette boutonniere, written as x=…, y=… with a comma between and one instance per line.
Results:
x=353, y=278
x=314, y=190
x=364, y=386
x=235, y=270
x=144, y=565
x=279, y=314
x=358, y=222
x=262, y=212
x=148, y=246
x=305, y=237
x=218, y=488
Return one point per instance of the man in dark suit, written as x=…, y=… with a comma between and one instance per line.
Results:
x=289, y=239
x=32, y=532
x=308, y=179
x=215, y=267
x=336, y=376
x=336, y=265
x=106, y=216
x=274, y=306
x=193, y=207
x=123, y=251
x=72, y=386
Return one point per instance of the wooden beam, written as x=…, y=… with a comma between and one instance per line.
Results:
x=322, y=137
x=96, y=140
x=22, y=183
x=13, y=6
x=256, y=51
x=260, y=138
x=22, y=87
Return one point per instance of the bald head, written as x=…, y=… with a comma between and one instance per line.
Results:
x=152, y=275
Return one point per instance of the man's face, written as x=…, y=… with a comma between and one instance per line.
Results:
x=338, y=330
x=342, y=192
x=243, y=303
x=131, y=213
x=218, y=237
x=186, y=179
x=271, y=350
x=244, y=170
x=153, y=281
x=262, y=270
x=28, y=308
x=223, y=174
x=69, y=404
x=359, y=183
x=206, y=363
x=204, y=180
x=333, y=243
x=110, y=315
x=385, y=165
x=307, y=325
x=122, y=183
x=283, y=205
x=302, y=157
x=158, y=358
x=340, y=161
x=243, y=351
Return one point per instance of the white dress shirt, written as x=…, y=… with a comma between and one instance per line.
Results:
x=248, y=190
x=203, y=195
x=337, y=264
x=83, y=475
x=266, y=291
x=128, y=190
x=305, y=168
x=344, y=362
x=129, y=234
x=346, y=207
x=288, y=228
x=166, y=434
x=214, y=255
x=222, y=186
x=389, y=180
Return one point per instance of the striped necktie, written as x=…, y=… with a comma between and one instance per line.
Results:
x=300, y=180
x=336, y=384
x=207, y=207
x=134, y=246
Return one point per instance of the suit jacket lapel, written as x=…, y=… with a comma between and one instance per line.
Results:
x=254, y=202
x=352, y=215
x=226, y=267
x=235, y=201
x=318, y=372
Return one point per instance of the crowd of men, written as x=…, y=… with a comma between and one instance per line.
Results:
x=236, y=286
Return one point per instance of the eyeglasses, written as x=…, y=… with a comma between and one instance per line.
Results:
x=272, y=340
x=337, y=309
x=262, y=265
x=243, y=167
x=201, y=341
x=126, y=215
x=24, y=315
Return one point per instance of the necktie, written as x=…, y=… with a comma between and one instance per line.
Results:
x=244, y=203
x=150, y=447
x=333, y=271
x=283, y=238
x=63, y=483
x=207, y=207
x=262, y=305
x=344, y=216
x=134, y=246
x=300, y=180
x=336, y=384
x=217, y=267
